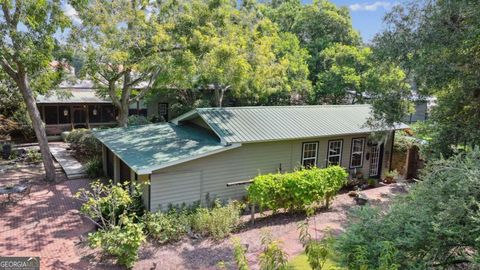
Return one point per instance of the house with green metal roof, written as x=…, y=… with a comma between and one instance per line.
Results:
x=215, y=152
x=77, y=105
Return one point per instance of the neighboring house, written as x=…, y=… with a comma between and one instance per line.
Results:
x=422, y=109
x=78, y=106
x=215, y=151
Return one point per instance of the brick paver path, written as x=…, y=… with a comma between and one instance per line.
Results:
x=46, y=224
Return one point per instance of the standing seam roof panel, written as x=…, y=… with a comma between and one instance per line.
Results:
x=268, y=123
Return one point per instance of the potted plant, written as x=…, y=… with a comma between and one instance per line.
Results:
x=390, y=177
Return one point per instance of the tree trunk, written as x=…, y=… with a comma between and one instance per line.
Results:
x=218, y=97
x=123, y=116
x=37, y=127
x=219, y=94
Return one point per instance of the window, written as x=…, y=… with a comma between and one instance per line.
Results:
x=334, y=154
x=163, y=110
x=356, y=158
x=309, y=154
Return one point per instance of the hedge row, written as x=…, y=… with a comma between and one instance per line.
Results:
x=298, y=190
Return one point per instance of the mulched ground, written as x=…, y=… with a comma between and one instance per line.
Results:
x=205, y=254
x=48, y=224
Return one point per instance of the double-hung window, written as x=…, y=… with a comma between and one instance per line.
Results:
x=334, y=154
x=309, y=154
x=358, y=146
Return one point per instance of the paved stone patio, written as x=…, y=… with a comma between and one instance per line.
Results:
x=45, y=224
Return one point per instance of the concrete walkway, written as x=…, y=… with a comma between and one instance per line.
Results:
x=72, y=168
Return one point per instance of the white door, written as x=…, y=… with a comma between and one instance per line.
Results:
x=374, y=160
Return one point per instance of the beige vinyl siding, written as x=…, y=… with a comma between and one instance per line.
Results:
x=191, y=181
x=176, y=184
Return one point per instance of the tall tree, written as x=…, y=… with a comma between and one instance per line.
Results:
x=239, y=53
x=436, y=43
x=318, y=26
x=26, y=51
x=345, y=71
x=123, y=41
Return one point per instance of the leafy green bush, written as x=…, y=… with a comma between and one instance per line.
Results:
x=94, y=167
x=75, y=135
x=272, y=257
x=167, y=227
x=122, y=240
x=217, y=222
x=435, y=225
x=105, y=203
x=34, y=155
x=136, y=120
x=84, y=143
x=317, y=251
x=297, y=190
x=239, y=254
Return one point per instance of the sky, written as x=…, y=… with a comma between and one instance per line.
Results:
x=367, y=15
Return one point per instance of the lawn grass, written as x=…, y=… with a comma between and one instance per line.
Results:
x=300, y=262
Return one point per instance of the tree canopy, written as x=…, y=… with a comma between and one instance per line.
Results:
x=318, y=26
x=27, y=47
x=436, y=44
x=236, y=51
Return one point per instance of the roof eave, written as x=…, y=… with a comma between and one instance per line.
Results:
x=184, y=116
x=190, y=115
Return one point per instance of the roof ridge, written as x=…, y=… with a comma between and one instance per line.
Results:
x=286, y=106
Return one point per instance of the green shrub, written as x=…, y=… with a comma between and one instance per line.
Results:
x=239, y=254
x=318, y=251
x=217, y=222
x=122, y=240
x=94, y=167
x=75, y=135
x=435, y=225
x=166, y=227
x=136, y=120
x=272, y=257
x=105, y=203
x=297, y=190
x=83, y=143
x=34, y=155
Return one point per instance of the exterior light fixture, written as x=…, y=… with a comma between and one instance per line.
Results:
x=65, y=112
x=94, y=111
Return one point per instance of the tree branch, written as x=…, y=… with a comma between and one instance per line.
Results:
x=8, y=69
x=145, y=90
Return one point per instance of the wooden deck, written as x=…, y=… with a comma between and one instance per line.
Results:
x=72, y=168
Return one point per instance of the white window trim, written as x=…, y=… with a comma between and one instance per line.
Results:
x=315, y=158
x=336, y=155
x=357, y=152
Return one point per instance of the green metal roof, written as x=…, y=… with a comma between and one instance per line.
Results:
x=74, y=95
x=154, y=146
x=272, y=123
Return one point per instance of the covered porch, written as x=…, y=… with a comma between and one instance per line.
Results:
x=60, y=117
